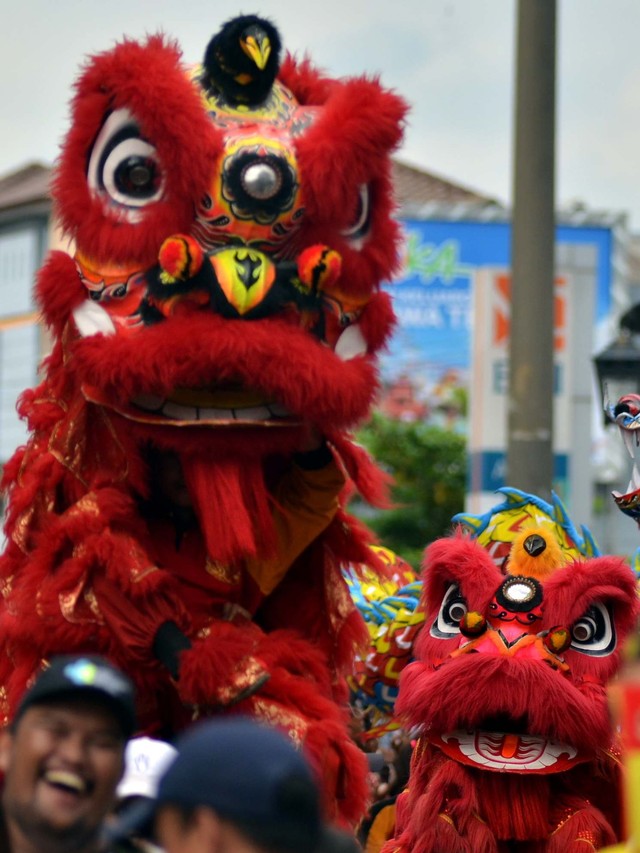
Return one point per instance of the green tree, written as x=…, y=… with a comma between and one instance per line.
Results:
x=429, y=468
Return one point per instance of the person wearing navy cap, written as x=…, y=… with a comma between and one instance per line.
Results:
x=63, y=755
x=236, y=786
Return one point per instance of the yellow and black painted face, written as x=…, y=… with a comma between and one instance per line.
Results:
x=244, y=276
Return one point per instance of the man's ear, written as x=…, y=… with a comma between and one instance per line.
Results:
x=6, y=743
x=208, y=828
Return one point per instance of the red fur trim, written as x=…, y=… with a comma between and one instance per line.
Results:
x=372, y=483
x=58, y=290
x=146, y=79
x=570, y=591
x=209, y=666
x=313, y=599
x=335, y=167
x=370, y=122
x=377, y=320
x=465, y=691
x=587, y=823
x=292, y=686
x=458, y=559
x=515, y=807
x=241, y=525
x=307, y=378
x=309, y=85
x=446, y=816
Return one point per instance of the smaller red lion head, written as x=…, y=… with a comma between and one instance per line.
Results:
x=511, y=668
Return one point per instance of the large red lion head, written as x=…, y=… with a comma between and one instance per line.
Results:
x=229, y=249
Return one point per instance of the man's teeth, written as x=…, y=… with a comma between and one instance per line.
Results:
x=66, y=779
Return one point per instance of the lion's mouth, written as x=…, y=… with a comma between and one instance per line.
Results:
x=197, y=407
x=218, y=406
x=507, y=752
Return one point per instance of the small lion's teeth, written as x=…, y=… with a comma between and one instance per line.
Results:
x=279, y=411
x=148, y=402
x=177, y=412
x=66, y=779
x=255, y=413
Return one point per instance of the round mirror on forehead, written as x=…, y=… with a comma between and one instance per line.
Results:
x=520, y=593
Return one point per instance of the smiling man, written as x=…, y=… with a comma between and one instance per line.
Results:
x=63, y=756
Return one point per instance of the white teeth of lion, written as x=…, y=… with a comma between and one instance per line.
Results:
x=179, y=413
x=629, y=439
x=148, y=402
x=279, y=411
x=66, y=778
x=350, y=343
x=254, y=413
x=91, y=319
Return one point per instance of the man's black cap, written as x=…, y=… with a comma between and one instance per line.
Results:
x=87, y=675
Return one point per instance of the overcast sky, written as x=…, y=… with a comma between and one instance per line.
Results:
x=453, y=60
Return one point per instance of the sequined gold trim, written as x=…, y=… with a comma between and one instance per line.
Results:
x=6, y=585
x=568, y=815
x=138, y=575
x=249, y=673
x=273, y=714
x=68, y=440
x=222, y=572
x=71, y=604
x=20, y=530
x=4, y=706
x=87, y=505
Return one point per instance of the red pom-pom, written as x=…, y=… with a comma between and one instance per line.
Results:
x=180, y=257
x=319, y=267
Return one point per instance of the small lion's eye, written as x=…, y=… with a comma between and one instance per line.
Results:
x=593, y=633
x=124, y=166
x=361, y=221
x=452, y=610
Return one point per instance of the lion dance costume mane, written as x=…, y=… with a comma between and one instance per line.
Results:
x=523, y=630
x=231, y=226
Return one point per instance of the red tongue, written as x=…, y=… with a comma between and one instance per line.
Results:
x=232, y=504
x=509, y=746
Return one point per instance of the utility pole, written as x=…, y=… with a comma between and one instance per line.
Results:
x=530, y=403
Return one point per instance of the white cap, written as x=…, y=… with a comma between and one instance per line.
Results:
x=146, y=759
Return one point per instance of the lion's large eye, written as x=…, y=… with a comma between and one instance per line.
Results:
x=594, y=633
x=452, y=609
x=124, y=166
x=362, y=219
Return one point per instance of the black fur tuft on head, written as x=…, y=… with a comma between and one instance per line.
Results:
x=242, y=60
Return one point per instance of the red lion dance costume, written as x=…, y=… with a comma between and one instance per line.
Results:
x=232, y=224
x=516, y=749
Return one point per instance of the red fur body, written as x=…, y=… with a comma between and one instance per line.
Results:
x=87, y=568
x=489, y=705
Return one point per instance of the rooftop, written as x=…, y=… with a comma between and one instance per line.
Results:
x=25, y=185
